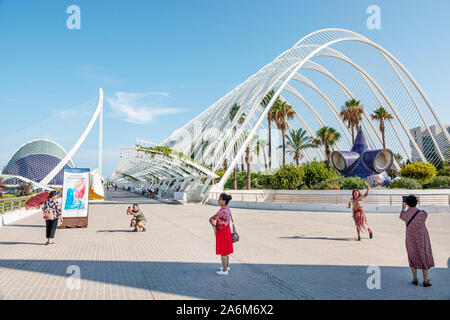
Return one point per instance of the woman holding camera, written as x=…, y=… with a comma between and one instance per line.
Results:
x=418, y=244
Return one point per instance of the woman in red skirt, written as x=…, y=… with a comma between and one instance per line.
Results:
x=358, y=212
x=221, y=224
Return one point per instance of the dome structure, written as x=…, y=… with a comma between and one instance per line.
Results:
x=36, y=159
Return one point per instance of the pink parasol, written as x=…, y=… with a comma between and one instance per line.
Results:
x=37, y=200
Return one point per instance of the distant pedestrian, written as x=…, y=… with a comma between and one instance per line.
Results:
x=52, y=215
x=417, y=240
x=115, y=187
x=224, y=242
x=359, y=217
x=138, y=222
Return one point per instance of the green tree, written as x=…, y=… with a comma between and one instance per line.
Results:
x=233, y=113
x=352, y=113
x=288, y=177
x=327, y=138
x=282, y=113
x=317, y=172
x=260, y=147
x=270, y=115
x=381, y=114
x=297, y=142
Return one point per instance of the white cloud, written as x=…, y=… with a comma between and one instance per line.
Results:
x=141, y=108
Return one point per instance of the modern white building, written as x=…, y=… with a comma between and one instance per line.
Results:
x=315, y=76
x=424, y=140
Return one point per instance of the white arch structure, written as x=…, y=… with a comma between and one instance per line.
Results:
x=97, y=114
x=316, y=76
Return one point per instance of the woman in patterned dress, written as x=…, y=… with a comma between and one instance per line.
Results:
x=52, y=215
x=358, y=211
x=418, y=244
x=224, y=242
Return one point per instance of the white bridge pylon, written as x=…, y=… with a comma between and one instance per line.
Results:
x=315, y=76
x=97, y=114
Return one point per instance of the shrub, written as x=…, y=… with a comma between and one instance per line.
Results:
x=406, y=183
x=317, y=172
x=241, y=178
x=439, y=182
x=266, y=181
x=343, y=183
x=288, y=177
x=330, y=184
x=445, y=171
x=257, y=180
x=422, y=171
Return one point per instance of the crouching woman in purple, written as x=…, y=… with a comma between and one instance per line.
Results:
x=224, y=242
x=418, y=244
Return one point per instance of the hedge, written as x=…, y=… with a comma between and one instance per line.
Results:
x=406, y=183
x=422, y=171
x=442, y=182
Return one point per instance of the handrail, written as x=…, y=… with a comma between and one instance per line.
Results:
x=10, y=204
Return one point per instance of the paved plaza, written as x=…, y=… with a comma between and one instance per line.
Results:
x=281, y=255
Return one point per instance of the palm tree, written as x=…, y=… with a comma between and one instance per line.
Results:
x=2, y=187
x=253, y=146
x=282, y=113
x=352, y=112
x=233, y=112
x=380, y=115
x=260, y=145
x=297, y=141
x=327, y=137
x=270, y=118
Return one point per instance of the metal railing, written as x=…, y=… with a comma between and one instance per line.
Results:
x=10, y=204
x=376, y=197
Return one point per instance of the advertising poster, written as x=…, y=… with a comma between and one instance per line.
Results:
x=75, y=193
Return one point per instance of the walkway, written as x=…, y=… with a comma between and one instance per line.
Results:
x=281, y=255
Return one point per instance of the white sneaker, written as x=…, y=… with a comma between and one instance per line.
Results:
x=222, y=273
x=221, y=269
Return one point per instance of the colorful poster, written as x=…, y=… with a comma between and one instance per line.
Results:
x=75, y=193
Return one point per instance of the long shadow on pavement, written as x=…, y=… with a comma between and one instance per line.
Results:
x=318, y=238
x=247, y=281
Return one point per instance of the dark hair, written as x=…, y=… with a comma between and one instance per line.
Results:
x=135, y=204
x=359, y=193
x=411, y=200
x=225, y=197
x=52, y=194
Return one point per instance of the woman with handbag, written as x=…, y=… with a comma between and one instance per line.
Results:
x=224, y=240
x=52, y=215
x=418, y=244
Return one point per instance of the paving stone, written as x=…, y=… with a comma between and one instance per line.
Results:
x=281, y=255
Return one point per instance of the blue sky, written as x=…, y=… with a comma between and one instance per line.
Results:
x=160, y=63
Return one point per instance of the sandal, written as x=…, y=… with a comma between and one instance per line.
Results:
x=427, y=283
x=415, y=282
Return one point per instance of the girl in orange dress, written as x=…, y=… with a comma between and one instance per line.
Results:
x=224, y=242
x=358, y=212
